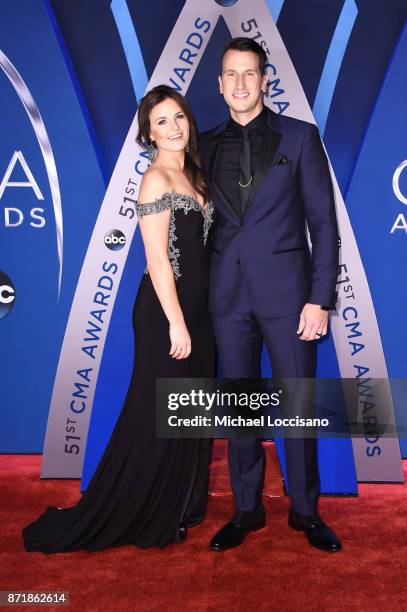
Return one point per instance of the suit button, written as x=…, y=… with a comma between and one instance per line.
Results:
x=238, y=262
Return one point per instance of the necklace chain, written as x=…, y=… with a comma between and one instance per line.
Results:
x=247, y=184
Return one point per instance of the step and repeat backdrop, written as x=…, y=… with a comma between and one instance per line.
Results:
x=71, y=257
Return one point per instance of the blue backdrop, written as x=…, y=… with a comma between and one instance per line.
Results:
x=31, y=334
x=84, y=82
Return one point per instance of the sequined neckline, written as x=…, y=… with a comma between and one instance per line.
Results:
x=177, y=201
x=187, y=196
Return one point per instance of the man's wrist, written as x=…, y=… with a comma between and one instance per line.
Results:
x=321, y=306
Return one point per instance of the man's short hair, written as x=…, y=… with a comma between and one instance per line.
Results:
x=242, y=43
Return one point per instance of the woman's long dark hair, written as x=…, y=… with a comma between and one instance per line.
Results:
x=193, y=166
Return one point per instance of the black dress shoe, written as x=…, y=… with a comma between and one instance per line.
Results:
x=234, y=532
x=319, y=535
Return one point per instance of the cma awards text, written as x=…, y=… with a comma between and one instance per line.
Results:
x=91, y=345
x=401, y=220
x=14, y=216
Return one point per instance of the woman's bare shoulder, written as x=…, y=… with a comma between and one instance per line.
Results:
x=154, y=184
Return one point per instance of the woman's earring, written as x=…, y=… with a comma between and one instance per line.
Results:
x=151, y=153
x=187, y=148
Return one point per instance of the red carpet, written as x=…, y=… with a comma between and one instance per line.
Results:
x=274, y=570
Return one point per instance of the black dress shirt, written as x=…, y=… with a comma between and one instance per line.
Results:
x=228, y=170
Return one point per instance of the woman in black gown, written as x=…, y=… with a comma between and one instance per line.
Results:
x=146, y=491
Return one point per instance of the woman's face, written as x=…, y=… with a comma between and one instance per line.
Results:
x=169, y=127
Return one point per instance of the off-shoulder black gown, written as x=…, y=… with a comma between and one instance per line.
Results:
x=144, y=486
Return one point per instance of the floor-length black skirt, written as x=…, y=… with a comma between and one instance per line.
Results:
x=143, y=486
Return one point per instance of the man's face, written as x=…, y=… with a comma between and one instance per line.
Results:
x=241, y=83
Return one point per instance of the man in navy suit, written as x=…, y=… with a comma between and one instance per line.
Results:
x=269, y=177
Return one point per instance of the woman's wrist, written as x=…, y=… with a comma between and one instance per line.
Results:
x=177, y=320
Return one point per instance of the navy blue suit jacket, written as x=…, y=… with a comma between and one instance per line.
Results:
x=267, y=248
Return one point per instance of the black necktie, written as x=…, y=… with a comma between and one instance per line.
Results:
x=245, y=176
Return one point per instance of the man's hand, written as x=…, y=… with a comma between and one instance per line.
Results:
x=313, y=322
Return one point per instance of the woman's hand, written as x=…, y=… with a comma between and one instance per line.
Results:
x=180, y=341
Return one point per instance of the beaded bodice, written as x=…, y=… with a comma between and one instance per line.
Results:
x=177, y=202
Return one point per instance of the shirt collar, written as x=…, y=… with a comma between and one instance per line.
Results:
x=258, y=122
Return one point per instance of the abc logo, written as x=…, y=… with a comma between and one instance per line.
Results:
x=226, y=2
x=115, y=240
x=7, y=295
